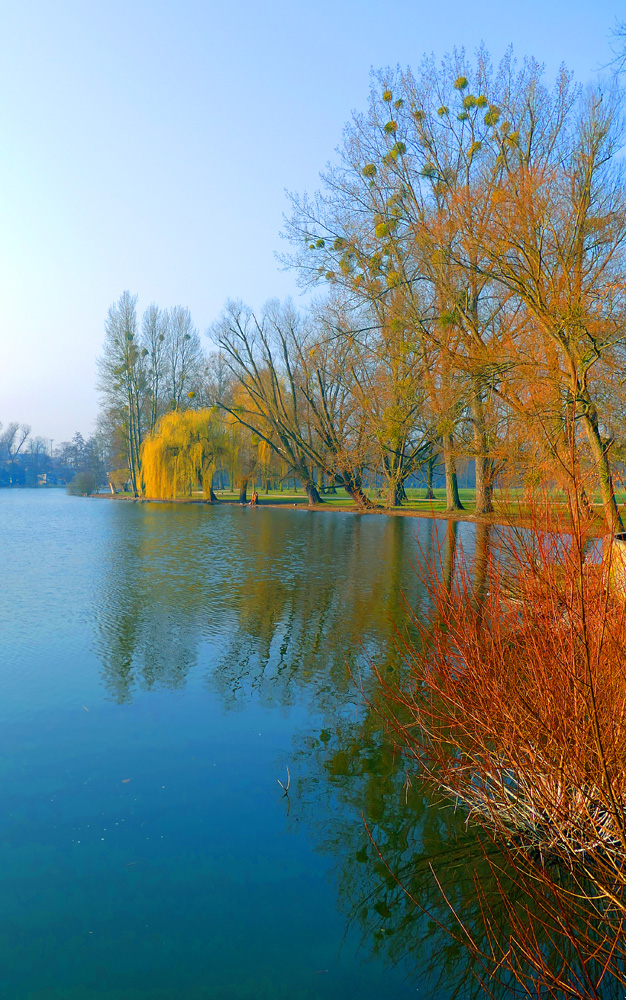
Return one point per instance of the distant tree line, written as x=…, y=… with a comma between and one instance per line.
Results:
x=31, y=461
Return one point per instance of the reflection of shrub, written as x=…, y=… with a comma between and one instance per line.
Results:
x=514, y=705
x=82, y=484
x=521, y=699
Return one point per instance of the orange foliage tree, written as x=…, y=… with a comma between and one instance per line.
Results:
x=482, y=214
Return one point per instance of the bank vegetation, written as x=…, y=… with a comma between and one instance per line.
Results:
x=468, y=245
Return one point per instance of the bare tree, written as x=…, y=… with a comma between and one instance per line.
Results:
x=295, y=373
x=122, y=378
x=218, y=381
x=154, y=329
x=259, y=354
x=13, y=439
x=480, y=216
x=183, y=356
x=557, y=241
x=619, y=34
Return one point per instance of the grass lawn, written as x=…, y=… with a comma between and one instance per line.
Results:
x=341, y=501
x=507, y=507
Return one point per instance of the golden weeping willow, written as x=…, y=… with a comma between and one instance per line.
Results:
x=182, y=453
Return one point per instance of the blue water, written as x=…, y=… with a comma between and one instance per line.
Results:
x=162, y=666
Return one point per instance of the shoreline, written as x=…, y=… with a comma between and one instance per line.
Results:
x=497, y=518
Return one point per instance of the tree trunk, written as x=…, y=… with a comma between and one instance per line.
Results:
x=483, y=465
x=484, y=485
x=395, y=493
x=312, y=493
x=132, y=465
x=600, y=452
x=205, y=481
x=393, y=470
x=243, y=491
x=309, y=484
x=453, y=500
x=430, y=467
x=354, y=488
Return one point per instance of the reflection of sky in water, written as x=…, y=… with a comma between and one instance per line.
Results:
x=145, y=851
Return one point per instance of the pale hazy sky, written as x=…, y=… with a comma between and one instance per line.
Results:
x=147, y=145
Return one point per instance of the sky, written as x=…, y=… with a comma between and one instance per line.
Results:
x=149, y=145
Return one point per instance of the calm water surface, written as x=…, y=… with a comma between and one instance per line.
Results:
x=162, y=666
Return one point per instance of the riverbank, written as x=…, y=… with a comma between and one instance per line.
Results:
x=506, y=514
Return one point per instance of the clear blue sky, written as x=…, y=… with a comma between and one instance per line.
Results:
x=147, y=145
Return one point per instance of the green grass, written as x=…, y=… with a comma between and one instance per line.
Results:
x=509, y=506
x=341, y=500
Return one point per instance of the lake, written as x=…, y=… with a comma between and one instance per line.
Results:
x=163, y=666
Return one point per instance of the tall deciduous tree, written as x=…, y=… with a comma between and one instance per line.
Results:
x=484, y=213
x=299, y=376
x=557, y=241
x=122, y=378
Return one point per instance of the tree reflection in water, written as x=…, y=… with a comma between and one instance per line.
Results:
x=285, y=599
x=428, y=892
x=286, y=607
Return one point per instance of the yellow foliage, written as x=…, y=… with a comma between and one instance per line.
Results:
x=250, y=406
x=186, y=447
x=181, y=452
x=264, y=452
